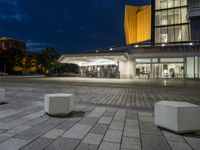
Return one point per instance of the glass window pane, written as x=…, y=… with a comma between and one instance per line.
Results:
x=177, y=30
x=177, y=3
x=158, y=19
x=185, y=33
x=170, y=3
x=163, y=4
x=177, y=16
x=157, y=35
x=163, y=17
x=170, y=16
x=171, y=60
x=157, y=4
x=170, y=34
x=184, y=15
x=183, y=2
x=164, y=35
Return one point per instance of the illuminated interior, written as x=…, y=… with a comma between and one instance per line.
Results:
x=137, y=24
x=171, y=21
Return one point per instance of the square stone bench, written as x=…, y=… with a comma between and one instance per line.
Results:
x=58, y=104
x=2, y=95
x=180, y=117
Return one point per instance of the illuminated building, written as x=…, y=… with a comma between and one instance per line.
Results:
x=163, y=41
x=10, y=50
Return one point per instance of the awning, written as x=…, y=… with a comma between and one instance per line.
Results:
x=94, y=59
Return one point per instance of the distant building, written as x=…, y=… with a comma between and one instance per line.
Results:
x=7, y=44
x=10, y=50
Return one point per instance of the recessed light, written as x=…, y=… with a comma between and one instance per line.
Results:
x=191, y=44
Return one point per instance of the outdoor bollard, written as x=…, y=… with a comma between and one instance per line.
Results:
x=58, y=104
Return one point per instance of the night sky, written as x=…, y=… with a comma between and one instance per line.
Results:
x=67, y=25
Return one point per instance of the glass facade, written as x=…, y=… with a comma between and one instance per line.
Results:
x=182, y=67
x=171, y=21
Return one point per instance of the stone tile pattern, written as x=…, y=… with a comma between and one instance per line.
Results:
x=23, y=124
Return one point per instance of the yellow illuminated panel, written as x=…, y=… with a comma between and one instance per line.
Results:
x=137, y=24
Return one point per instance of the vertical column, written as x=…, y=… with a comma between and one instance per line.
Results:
x=127, y=69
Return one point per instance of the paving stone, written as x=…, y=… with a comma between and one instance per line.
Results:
x=173, y=137
x=36, y=121
x=83, y=146
x=120, y=117
x=99, y=110
x=116, y=125
x=38, y=144
x=149, y=128
x=130, y=123
x=105, y=120
x=88, y=121
x=66, y=125
x=109, y=114
x=19, y=129
x=99, y=128
x=146, y=118
x=19, y=115
x=12, y=124
x=35, y=131
x=194, y=142
x=63, y=144
x=13, y=144
x=131, y=143
x=5, y=136
x=131, y=115
x=55, y=121
x=134, y=132
x=179, y=146
x=109, y=146
x=94, y=114
x=8, y=112
x=113, y=136
x=145, y=114
x=1, y=131
x=154, y=142
x=34, y=115
x=78, y=131
x=92, y=138
x=54, y=133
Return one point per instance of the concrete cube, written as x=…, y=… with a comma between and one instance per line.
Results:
x=2, y=95
x=180, y=117
x=58, y=103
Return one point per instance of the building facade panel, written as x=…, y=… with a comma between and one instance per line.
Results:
x=137, y=24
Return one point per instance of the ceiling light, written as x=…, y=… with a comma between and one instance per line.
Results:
x=136, y=45
x=111, y=49
x=190, y=44
x=163, y=45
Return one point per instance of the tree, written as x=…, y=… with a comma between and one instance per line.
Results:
x=48, y=60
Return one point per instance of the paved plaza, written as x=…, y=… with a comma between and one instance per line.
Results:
x=109, y=114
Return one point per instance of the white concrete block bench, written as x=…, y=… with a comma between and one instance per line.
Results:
x=180, y=117
x=58, y=104
x=2, y=95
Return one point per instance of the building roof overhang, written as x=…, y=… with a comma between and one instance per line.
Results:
x=93, y=59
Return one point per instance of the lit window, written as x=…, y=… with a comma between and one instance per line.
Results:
x=185, y=33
